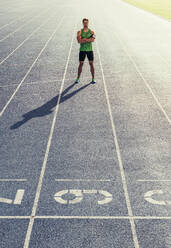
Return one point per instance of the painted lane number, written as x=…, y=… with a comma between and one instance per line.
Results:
x=79, y=195
x=148, y=196
x=17, y=200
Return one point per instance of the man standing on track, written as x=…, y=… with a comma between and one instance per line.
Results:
x=85, y=37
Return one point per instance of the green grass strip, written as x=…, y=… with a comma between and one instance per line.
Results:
x=158, y=7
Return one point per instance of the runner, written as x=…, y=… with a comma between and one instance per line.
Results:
x=85, y=37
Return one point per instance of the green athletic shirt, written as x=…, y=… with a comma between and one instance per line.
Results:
x=88, y=45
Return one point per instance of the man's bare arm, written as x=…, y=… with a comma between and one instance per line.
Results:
x=84, y=40
x=79, y=37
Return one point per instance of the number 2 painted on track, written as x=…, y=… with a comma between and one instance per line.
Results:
x=79, y=194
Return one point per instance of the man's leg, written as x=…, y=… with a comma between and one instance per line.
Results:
x=80, y=68
x=82, y=55
x=90, y=56
x=92, y=68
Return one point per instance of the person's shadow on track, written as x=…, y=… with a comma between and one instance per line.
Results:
x=47, y=108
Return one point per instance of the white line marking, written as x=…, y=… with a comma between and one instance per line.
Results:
x=141, y=180
x=148, y=197
x=22, y=26
x=27, y=239
x=20, y=18
x=90, y=191
x=14, y=217
x=164, y=59
x=42, y=24
x=142, y=77
x=83, y=180
x=1, y=113
x=105, y=217
x=89, y=217
x=13, y=180
x=119, y=155
x=19, y=196
x=5, y=200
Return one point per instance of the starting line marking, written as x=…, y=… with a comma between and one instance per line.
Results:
x=83, y=180
x=13, y=180
x=153, y=180
x=89, y=217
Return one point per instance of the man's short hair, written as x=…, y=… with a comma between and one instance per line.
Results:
x=85, y=19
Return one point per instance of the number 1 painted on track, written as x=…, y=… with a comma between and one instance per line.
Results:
x=18, y=198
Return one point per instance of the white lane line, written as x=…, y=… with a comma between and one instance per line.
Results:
x=42, y=24
x=105, y=217
x=29, y=70
x=119, y=155
x=13, y=180
x=35, y=205
x=22, y=25
x=82, y=180
x=88, y=217
x=148, y=180
x=20, y=18
x=142, y=77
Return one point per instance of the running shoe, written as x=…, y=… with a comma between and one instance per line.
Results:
x=93, y=81
x=77, y=81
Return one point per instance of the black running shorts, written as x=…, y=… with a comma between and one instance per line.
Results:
x=82, y=55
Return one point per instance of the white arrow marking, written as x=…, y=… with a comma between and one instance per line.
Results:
x=58, y=196
x=107, y=199
x=148, y=197
x=61, y=193
x=78, y=195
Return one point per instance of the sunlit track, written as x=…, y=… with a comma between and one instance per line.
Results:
x=16, y=30
x=145, y=81
x=15, y=20
x=141, y=75
x=43, y=23
x=164, y=60
x=84, y=164
x=19, y=85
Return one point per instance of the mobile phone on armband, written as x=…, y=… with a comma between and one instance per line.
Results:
x=93, y=36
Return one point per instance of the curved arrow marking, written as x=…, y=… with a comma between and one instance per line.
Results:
x=148, y=197
x=78, y=195
x=58, y=196
x=107, y=199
